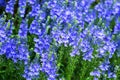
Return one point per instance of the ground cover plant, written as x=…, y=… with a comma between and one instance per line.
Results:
x=59, y=40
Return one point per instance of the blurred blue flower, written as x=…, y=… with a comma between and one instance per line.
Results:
x=10, y=6
x=31, y=71
x=2, y=3
x=95, y=73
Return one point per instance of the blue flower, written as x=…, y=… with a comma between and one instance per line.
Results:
x=2, y=3
x=88, y=55
x=32, y=71
x=35, y=11
x=95, y=73
x=104, y=66
x=23, y=29
x=49, y=66
x=22, y=7
x=10, y=6
x=111, y=74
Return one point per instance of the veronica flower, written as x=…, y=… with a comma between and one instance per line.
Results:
x=32, y=71
x=111, y=74
x=104, y=66
x=95, y=73
x=10, y=6
x=22, y=7
x=49, y=66
x=23, y=29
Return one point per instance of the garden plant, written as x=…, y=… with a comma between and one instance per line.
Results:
x=59, y=39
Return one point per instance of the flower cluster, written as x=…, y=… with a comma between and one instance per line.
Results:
x=32, y=71
x=10, y=6
x=76, y=23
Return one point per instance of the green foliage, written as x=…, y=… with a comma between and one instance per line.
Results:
x=116, y=61
x=42, y=76
x=10, y=70
x=69, y=68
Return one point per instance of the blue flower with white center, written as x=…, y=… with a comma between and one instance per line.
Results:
x=5, y=33
x=95, y=73
x=62, y=22
x=100, y=34
x=15, y=50
x=36, y=28
x=33, y=27
x=61, y=37
x=49, y=66
x=90, y=17
x=42, y=44
x=32, y=71
x=111, y=48
x=116, y=8
x=104, y=66
x=74, y=52
x=35, y=11
x=105, y=10
x=23, y=52
x=9, y=27
x=32, y=2
x=88, y=55
x=10, y=6
x=22, y=7
x=118, y=45
x=111, y=74
x=73, y=39
x=101, y=52
x=23, y=29
x=117, y=28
